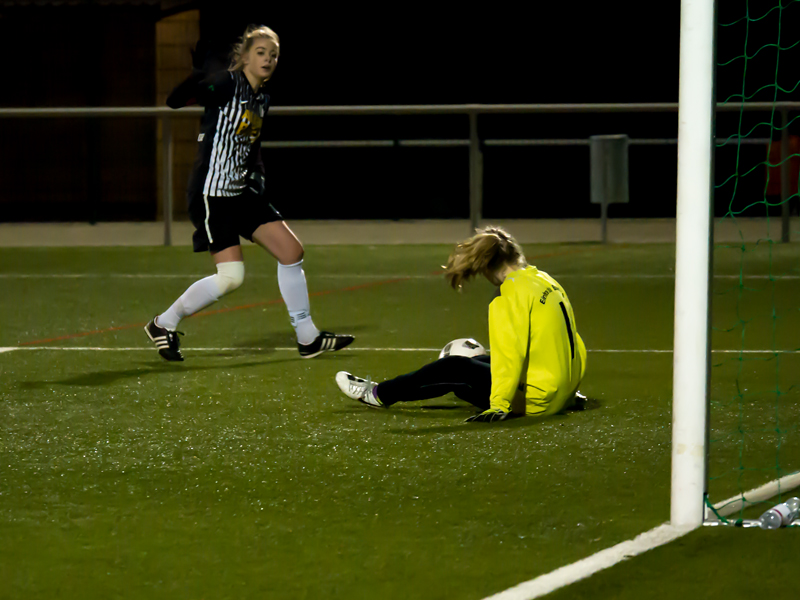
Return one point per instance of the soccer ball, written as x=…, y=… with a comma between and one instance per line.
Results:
x=463, y=347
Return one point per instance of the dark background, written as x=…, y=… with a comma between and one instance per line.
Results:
x=102, y=54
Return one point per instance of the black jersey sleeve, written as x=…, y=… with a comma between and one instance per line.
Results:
x=213, y=90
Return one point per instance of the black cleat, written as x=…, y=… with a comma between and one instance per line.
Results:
x=579, y=403
x=166, y=341
x=325, y=342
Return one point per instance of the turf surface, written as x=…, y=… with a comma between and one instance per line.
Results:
x=243, y=472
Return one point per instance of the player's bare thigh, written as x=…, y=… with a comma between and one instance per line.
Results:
x=230, y=254
x=280, y=241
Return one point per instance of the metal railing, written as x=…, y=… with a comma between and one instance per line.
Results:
x=474, y=143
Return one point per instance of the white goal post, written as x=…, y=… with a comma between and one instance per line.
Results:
x=692, y=263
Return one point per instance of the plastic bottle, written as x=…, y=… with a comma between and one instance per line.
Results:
x=780, y=514
x=794, y=506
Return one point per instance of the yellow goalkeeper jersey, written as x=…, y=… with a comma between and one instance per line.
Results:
x=538, y=358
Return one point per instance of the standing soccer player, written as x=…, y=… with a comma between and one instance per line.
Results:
x=226, y=196
x=537, y=357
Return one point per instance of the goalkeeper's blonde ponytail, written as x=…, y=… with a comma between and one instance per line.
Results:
x=485, y=253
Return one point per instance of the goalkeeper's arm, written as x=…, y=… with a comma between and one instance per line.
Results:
x=509, y=326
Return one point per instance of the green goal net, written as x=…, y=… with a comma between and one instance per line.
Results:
x=754, y=437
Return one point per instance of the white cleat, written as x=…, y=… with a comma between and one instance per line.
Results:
x=358, y=389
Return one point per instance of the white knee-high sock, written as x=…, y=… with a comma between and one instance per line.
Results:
x=294, y=290
x=202, y=293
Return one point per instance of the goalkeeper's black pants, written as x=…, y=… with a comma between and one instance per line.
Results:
x=468, y=378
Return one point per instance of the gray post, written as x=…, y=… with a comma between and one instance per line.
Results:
x=604, y=220
x=785, y=193
x=167, y=148
x=609, y=174
x=475, y=173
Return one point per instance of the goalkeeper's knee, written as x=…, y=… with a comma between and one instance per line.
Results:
x=230, y=276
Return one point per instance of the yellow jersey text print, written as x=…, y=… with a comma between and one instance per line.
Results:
x=250, y=125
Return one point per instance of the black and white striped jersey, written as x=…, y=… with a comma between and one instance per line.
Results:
x=230, y=131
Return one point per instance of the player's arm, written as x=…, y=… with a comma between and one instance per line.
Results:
x=509, y=329
x=211, y=90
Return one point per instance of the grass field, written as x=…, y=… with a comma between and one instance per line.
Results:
x=244, y=473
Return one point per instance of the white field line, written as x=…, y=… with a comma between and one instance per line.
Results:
x=241, y=349
x=199, y=275
x=648, y=351
x=663, y=534
x=357, y=276
x=264, y=348
x=759, y=494
x=544, y=584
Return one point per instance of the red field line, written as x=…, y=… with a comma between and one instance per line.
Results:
x=206, y=313
x=82, y=334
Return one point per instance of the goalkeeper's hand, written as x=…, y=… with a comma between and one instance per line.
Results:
x=490, y=416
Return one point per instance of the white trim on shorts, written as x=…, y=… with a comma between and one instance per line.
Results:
x=208, y=214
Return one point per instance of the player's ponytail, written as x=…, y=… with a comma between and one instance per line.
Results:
x=242, y=47
x=485, y=253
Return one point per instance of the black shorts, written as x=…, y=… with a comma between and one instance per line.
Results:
x=219, y=221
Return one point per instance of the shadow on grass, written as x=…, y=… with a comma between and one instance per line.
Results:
x=514, y=423
x=430, y=412
x=591, y=404
x=282, y=340
x=103, y=378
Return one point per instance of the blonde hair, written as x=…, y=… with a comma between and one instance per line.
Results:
x=484, y=253
x=242, y=47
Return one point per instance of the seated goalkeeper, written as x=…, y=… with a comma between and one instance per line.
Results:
x=537, y=357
